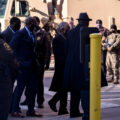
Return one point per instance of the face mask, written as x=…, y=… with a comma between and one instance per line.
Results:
x=99, y=26
x=32, y=26
x=113, y=31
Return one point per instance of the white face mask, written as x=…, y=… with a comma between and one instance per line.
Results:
x=99, y=26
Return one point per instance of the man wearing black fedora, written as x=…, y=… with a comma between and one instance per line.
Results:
x=76, y=77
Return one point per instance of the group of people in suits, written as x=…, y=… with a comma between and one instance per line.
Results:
x=71, y=49
x=31, y=49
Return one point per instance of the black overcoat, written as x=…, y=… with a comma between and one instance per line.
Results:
x=76, y=74
x=8, y=69
x=59, y=54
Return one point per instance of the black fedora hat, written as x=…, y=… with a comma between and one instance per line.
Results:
x=84, y=16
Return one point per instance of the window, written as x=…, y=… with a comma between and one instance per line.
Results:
x=54, y=3
x=3, y=4
x=21, y=8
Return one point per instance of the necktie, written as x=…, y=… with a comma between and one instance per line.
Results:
x=32, y=37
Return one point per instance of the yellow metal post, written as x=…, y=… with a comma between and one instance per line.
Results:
x=95, y=76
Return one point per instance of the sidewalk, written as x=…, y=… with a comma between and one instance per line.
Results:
x=106, y=114
x=110, y=103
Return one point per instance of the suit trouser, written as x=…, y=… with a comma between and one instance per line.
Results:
x=62, y=96
x=40, y=85
x=27, y=78
x=75, y=101
x=13, y=81
x=5, y=97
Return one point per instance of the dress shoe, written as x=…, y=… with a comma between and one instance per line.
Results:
x=33, y=114
x=74, y=115
x=24, y=103
x=52, y=106
x=40, y=106
x=63, y=112
x=85, y=117
x=17, y=114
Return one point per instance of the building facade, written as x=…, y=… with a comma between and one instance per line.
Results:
x=107, y=10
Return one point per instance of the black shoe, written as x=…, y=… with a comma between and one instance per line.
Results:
x=33, y=114
x=74, y=115
x=63, y=112
x=40, y=106
x=52, y=106
x=85, y=117
x=17, y=115
x=24, y=103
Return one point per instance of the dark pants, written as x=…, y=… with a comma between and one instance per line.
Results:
x=103, y=60
x=13, y=81
x=27, y=77
x=40, y=85
x=5, y=97
x=75, y=101
x=62, y=96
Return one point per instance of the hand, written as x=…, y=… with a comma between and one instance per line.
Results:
x=109, y=49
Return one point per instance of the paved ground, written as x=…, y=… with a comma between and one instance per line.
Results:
x=110, y=103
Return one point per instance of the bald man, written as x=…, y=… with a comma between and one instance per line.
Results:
x=23, y=44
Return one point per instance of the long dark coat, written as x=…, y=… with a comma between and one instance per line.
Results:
x=8, y=69
x=76, y=67
x=59, y=54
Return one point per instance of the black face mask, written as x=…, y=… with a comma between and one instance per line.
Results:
x=31, y=27
x=113, y=31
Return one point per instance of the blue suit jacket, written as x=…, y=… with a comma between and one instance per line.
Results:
x=7, y=34
x=24, y=48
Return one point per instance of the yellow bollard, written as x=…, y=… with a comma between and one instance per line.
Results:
x=95, y=76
